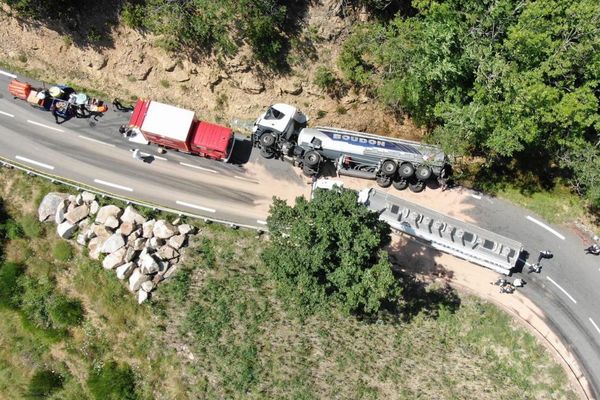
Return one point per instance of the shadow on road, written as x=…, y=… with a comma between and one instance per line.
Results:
x=241, y=151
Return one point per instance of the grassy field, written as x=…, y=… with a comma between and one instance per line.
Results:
x=217, y=331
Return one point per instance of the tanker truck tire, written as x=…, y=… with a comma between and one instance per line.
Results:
x=389, y=167
x=312, y=159
x=384, y=181
x=423, y=172
x=416, y=186
x=400, y=184
x=267, y=139
x=406, y=170
x=308, y=172
x=267, y=152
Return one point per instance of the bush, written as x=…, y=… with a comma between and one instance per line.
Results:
x=9, y=274
x=30, y=226
x=325, y=79
x=11, y=230
x=133, y=15
x=43, y=383
x=112, y=382
x=65, y=312
x=62, y=251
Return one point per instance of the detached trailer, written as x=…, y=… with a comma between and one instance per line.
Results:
x=281, y=132
x=179, y=129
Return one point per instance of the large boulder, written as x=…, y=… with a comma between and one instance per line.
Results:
x=66, y=229
x=147, y=286
x=49, y=204
x=147, y=228
x=78, y=200
x=101, y=231
x=154, y=243
x=163, y=229
x=139, y=244
x=107, y=211
x=177, y=241
x=77, y=214
x=59, y=217
x=142, y=296
x=132, y=216
x=113, y=243
x=148, y=264
x=136, y=279
x=130, y=254
x=170, y=272
x=167, y=253
x=88, y=197
x=184, y=229
x=127, y=228
x=114, y=259
x=82, y=239
x=134, y=235
x=94, y=207
x=94, y=247
x=124, y=271
x=111, y=222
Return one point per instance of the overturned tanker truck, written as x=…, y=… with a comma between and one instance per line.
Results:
x=282, y=132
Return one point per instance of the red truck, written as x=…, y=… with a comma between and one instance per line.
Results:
x=179, y=129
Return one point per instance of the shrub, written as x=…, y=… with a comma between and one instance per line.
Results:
x=325, y=79
x=133, y=15
x=65, y=312
x=112, y=382
x=10, y=229
x=30, y=226
x=9, y=274
x=165, y=83
x=34, y=295
x=43, y=383
x=62, y=251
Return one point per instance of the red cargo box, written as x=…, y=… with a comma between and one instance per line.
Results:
x=211, y=140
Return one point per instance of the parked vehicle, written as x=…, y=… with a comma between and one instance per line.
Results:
x=179, y=129
x=282, y=132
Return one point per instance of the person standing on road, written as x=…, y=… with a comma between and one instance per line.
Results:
x=136, y=154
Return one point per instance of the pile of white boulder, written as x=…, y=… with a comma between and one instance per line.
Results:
x=145, y=252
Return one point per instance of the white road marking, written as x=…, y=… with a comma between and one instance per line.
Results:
x=183, y=203
x=198, y=167
x=546, y=227
x=7, y=74
x=7, y=114
x=260, y=221
x=593, y=323
x=476, y=196
x=562, y=290
x=245, y=179
x=27, y=160
x=96, y=141
x=113, y=185
x=159, y=158
x=45, y=126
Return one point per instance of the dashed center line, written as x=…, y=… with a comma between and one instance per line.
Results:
x=159, y=157
x=476, y=196
x=7, y=74
x=96, y=141
x=593, y=323
x=198, y=167
x=183, y=203
x=7, y=114
x=40, y=164
x=260, y=221
x=44, y=126
x=546, y=227
x=241, y=178
x=561, y=289
x=113, y=185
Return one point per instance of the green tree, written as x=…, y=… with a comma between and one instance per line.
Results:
x=330, y=251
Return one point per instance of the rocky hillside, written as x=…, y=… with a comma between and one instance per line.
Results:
x=133, y=64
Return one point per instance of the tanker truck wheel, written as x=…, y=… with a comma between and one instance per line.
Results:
x=423, y=172
x=406, y=170
x=312, y=158
x=389, y=167
x=308, y=172
x=416, y=186
x=384, y=181
x=400, y=184
x=267, y=139
x=267, y=152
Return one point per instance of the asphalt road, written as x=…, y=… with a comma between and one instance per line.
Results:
x=566, y=289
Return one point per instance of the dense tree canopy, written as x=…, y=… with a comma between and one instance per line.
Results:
x=503, y=78
x=330, y=251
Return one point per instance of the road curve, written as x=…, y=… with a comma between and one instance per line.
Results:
x=566, y=289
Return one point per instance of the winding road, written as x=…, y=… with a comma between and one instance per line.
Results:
x=97, y=156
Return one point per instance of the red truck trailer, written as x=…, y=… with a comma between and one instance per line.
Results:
x=179, y=129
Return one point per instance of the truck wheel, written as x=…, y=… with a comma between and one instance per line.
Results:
x=384, y=181
x=406, y=170
x=308, y=172
x=267, y=152
x=416, y=186
x=389, y=167
x=400, y=184
x=312, y=158
x=423, y=172
x=267, y=139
